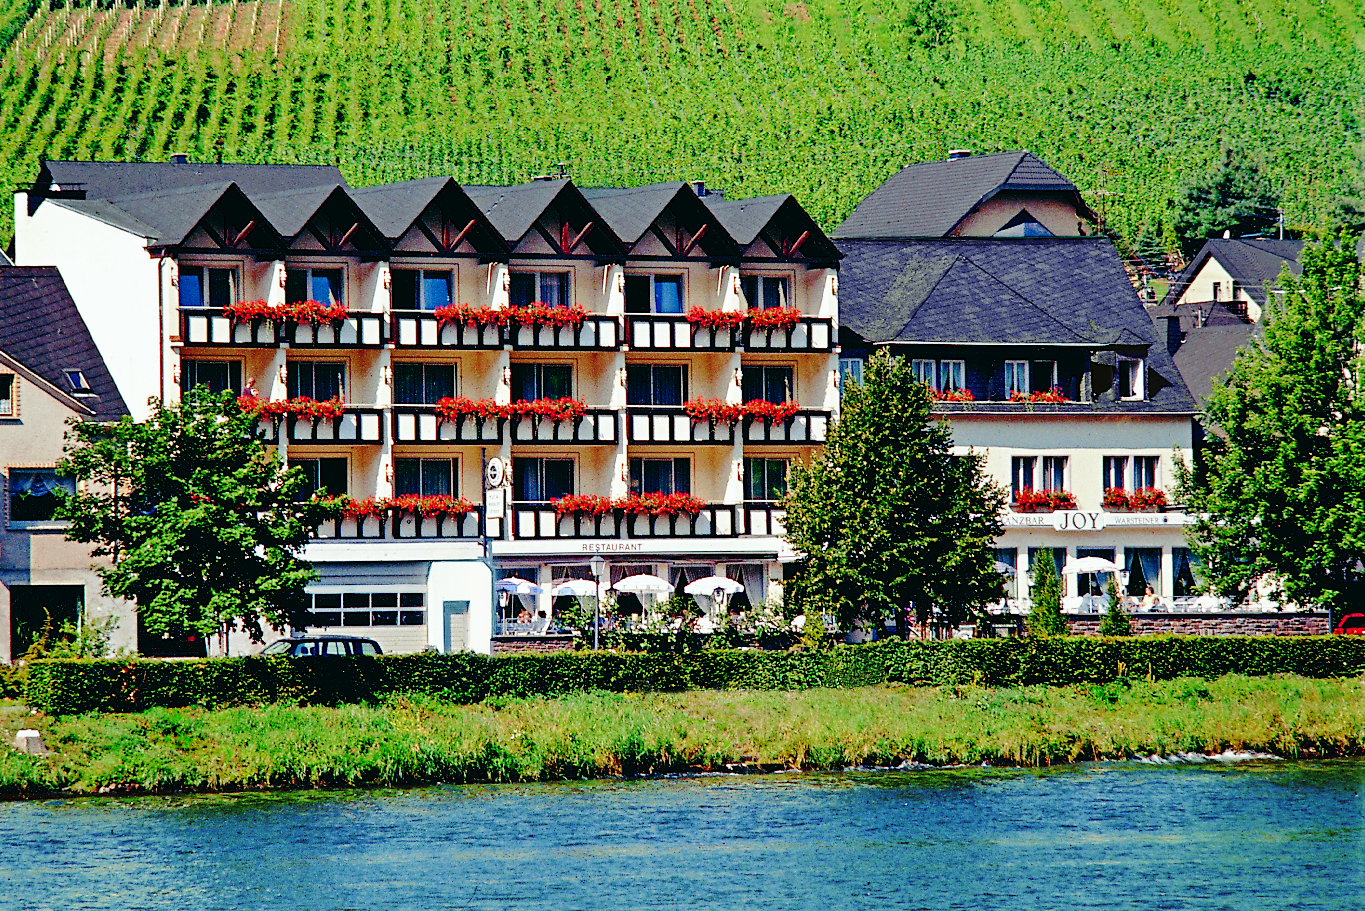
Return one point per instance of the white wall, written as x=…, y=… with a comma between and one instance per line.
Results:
x=462, y=580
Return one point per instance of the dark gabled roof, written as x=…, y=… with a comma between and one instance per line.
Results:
x=41, y=329
x=931, y=198
x=1208, y=351
x=781, y=217
x=514, y=210
x=395, y=207
x=291, y=211
x=1252, y=263
x=119, y=179
x=1033, y=291
x=630, y=211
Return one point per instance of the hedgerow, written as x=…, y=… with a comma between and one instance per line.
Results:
x=72, y=687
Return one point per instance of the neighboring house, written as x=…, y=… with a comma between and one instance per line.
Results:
x=50, y=372
x=999, y=322
x=156, y=251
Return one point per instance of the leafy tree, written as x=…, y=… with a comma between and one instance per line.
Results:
x=1281, y=489
x=886, y=516
x=203, y=522
x=930, y=23
x=1231, y=196
x=1045, y=618
x=1115, y=622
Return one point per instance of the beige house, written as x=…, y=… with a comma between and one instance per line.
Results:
x=50, y=372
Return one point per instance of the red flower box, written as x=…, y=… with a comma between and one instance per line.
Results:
x=472, y=316
x=452, y=409
x=299, y=407
x=1149, y=498
x=1028, y=500
x=715, y=319
x=713, y=410
x=774, y=318
x=1053, y=396
x=1117, y=499
x=660, y=504
x=770, y=412
x=583, y=503
x=952, y=395
x=557, y=410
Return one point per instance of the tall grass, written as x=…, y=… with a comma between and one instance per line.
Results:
x=408, y=740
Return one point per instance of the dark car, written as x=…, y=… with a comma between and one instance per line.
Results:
x=1351, y=625
x=309, y=646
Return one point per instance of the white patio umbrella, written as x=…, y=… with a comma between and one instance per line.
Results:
x=579, y=588
x=644, y=584
x=1089, y=565
x=518, y=586
x=1004, y=569
x=712, y=584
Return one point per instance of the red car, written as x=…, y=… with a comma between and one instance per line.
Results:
x=1351, y=625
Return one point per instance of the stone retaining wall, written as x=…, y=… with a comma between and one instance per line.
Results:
x=1210, y=624
x=511, y=645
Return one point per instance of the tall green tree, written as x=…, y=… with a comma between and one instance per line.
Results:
x=1115, y=622
x=204, y=523
x=1280, y=493
x=1231, y=196
x=1045, y=617
x=886, y=516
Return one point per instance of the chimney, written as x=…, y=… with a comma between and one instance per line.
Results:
x=180, y=158
x=700, y=187
x=955, y=154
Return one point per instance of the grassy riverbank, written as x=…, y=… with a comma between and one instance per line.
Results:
x=415, y=740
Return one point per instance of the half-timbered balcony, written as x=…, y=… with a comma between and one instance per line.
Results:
x=764, y=518
x=421, y=424
x=675, y=333
x=208, y=326
x=401, y=526
x=361, y=330
x=809, y=334
x=804, y=427
x=353, y=528
x=597, y=425
x=412, y=329
x=715, y=520
x=355, y=425
x=673, y=425
x=532, y=519
x=595, y=333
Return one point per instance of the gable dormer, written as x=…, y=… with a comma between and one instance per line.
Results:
x=665, y=222
x=324, y=221
x=431, y=217
x=232, y=224
x=548, y=219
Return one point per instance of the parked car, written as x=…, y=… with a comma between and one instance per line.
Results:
x=337, y=646
x=1351, y=625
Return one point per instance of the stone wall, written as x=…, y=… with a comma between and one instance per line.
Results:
x=511, y=645
x=1210, y=624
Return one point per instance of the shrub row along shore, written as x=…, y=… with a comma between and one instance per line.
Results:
x=412, y=739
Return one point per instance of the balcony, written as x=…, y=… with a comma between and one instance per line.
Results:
x=714, y=521
x=673, y=425
x=412, y=329
x=595, y=333
x=207, y=326
x=532, y=520
x=363, y=330
x=402, y=526
x=764, y=518
x=356, y=425
x=803, y=428
x=420, y=424
x=675, y=333
x=809, y=334
x=596, y=426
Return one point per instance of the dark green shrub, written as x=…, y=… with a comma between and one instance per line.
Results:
x=1114, y=622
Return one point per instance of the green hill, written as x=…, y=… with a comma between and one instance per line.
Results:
x=824, y=98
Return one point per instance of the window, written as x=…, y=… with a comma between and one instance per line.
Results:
x=1021, y=473
x=537, y=480
x=656, y=384
x=548, y=288
x=1016, y=377
x=6, y=394
x=541, y=381
x=422, y=384
x=321, y=285
x=1187, y=578
x=850, y=370
x=952, y=375
x=367, y=609
x=1130, y=379
x=1116, y=472
x=201, y=286
x=765, y=479
x=33, y=493
x=1144, y=569
x=660, y=476
x=768, y=384
x=766, y=292
x=1144, y=471
x=1042, y=375
x=421, y=289
x=654, y=294
x=1093, y=583
x=923, y=369
x=425, y=478
x=1058, y=555
x=217, y=376
x=327, y=477
x=318, y=380
x=77, y=381
x=1054, y=472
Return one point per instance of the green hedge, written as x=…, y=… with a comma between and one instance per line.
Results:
x=68, y=687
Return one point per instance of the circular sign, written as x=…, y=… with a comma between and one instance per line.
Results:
x=494, y=472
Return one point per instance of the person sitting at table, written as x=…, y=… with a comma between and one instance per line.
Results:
x=523, y=615
x=542, y=623
x=1150, y=601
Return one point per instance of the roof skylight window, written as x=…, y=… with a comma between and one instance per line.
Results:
x=78, y=381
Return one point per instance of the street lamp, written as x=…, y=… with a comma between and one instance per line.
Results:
x=596, y=563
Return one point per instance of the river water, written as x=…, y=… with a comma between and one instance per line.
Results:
x=1272, y=836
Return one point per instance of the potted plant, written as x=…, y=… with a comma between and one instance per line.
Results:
x=1116, y=499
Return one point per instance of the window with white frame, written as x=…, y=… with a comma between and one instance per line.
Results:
x=767, y=384
x=423, y=384
x=317, y=380
x=654, y=294
x=1131, y=379
x=541, y=381
x=1022, y=473
x=207, y=286
x=536, y=480
x=952, y=375
x=1054, y=473
x=1115, y=472
x=766, y=292
x=923, y=369
x=304, y=283
x=1016, y=377
x=1144, y=471
x=666, y=476
x=548, y=288
x=421, y=289
x=426, y=478
x=765, y=479
x=7, y=387
x=217, y=376
x=34, y=493
x=1130, y=472
x=850, y=368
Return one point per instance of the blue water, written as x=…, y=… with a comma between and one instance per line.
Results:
x=1245, y=836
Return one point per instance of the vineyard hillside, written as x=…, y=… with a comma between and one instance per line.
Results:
x=823, y=98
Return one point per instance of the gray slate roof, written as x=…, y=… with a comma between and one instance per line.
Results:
x=1252, y=262
x=1032, y=291
x=41, y=328
x=930, y=198
x=513, y=210
x=394, y=207
x=745, y=218
x=120, y=179
x=1208, y=352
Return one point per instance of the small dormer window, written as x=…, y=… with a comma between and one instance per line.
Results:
x=1131, y=379
x=77, y=380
